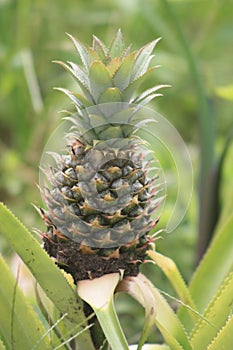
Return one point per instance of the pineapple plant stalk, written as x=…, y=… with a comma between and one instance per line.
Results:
x=101, y=198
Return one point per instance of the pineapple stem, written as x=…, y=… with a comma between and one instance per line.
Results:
x=99, y=294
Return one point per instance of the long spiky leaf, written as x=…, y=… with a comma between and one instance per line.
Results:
x=81, y=50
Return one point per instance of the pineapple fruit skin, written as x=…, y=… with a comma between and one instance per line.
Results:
x=101, y=199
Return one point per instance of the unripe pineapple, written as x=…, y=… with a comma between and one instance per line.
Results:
x=101, y=198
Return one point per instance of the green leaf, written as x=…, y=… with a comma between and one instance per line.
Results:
x=224, y=338
x=135, y=287
x=170, y=269
x=49, y=317
x=100, y=48
x=149, y=92
x=78, y=74
x=143, y=59
x=215, y=179
x=147, y=99
x=165, y=318
x=169, y=338
x=18, y=322
x=133, y=86
x=78, y=99
x=72, y=337
x=100, y=79
x=112, y=94
x=213, y=269
x=117, y=46
x=122, y=76
x=43, y=269
x=226, y=211
x=111, y=132
x=83, y=53
x=217, y=313
x=98, y=293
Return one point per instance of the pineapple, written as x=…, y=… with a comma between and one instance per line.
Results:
x=101, y=199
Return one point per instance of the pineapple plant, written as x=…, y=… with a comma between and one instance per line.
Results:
x=101, y=200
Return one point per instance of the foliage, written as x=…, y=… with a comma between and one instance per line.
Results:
x=192, y=54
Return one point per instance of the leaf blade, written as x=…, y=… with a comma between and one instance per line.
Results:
x=217, y=313
x=25, y=329
x=165, y=319
x=224, y=337
x=170, y=269
x=214, y=267
x=43, y=268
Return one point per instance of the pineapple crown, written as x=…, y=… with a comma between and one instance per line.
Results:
x=108, y=78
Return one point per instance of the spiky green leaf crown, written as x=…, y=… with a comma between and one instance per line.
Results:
x=109, y=78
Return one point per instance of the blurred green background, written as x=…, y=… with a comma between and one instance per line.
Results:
x=32, y=35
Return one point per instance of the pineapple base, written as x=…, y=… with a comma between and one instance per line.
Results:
x=70, y=258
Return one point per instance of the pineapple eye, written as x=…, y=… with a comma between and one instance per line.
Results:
x=111, y=173
x=71, y=173
x=75, y=209
x=127, y=170
x=108, y=196
x=116, y=184
x=137, y=186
